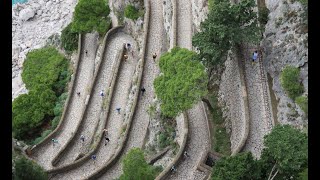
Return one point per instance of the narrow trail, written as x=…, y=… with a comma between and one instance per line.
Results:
x=140, y=120
x=114, y=120
x=261, y=119
x=198, y=137
x=94, y=108
x=72, y=117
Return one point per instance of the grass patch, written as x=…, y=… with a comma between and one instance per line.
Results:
x=132, y=12
x=289, y=80
x=302, y=101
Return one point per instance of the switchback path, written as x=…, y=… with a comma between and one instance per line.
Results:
x=151, y=70
x=198, y=137
x=46, y=153
x=114, y=120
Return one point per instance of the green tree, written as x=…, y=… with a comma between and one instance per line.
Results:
x=91, y=15
x=28, y=170
x=304, y=174
x=285, y=153
x=29, y=110
x=226, y=26
x=182, y=81
x=135, y=167
x=45, y=67
x=132, y=13
x=241, y=167
x=69, y=39
x=289, y=80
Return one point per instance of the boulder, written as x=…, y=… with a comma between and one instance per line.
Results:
x=26, y=14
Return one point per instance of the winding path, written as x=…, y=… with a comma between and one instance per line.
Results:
x=47, y=152
x=151, y=70
x=114, y=120
x=198, y=138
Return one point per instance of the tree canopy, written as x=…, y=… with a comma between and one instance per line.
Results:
x=28, y=170
x=136, y=167
x=69, y=39
x=241, y=166
x=226, y=26
x=182, y=81
x=91, y=15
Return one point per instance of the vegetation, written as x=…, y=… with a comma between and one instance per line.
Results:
x=289, y=80
x=241, y=166
x=91, y=15
x=304, y=174
x=69, y=39
x=182, y=81
x=263, y=15
x=167, y=135
x=226, y=26
x=132, y=12
x=302, y=101
x=135, y=166
x=28, y=170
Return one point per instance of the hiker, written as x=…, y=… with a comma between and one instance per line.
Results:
x=118, y=109
x=128, y=46
x=54, y=141
x=101, y=93
x=78, y=93
x=86, y=52
x=82, y=138
x=94, y=157
x=254, y=56
x=105, y=131
x=154, y=56
x=186, y=154
x=173, y=169
x=143, y=90
x=125, y=57
x=106, y=140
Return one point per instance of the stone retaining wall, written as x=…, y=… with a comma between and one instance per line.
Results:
x=71, y=88
x=60, y=154
x=115, y=156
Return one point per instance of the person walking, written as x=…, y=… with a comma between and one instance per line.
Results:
x=82, y=137
x=54, y=141
x=143, y=90
x=86, y=51
x=101, y=93
x=186, y=155
x=78, y=93
x=125, y=57
x=94, y=157
x=154, y=56
x=118, y=109
x=173, y=169
x=254, y=56
x=106, y=140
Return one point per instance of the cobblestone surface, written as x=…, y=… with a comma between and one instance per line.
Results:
x=114, y=121
x=95, y=105
x=151, y=70
x=44, y=155
x=259, y=123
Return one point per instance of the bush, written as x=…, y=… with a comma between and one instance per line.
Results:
x=69, y=39
x=28, y=170
x=132, y=13
x=43, y=135
x=302, y=101
x=289, y=79
x=55, y=122
x=263, y=15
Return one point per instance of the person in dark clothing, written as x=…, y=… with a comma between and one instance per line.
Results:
x=86, y=52
x=106, y=140
x=154, y=56
x=118, y=109
x=143, y=90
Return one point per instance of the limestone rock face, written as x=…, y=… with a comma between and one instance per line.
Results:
x=26, y=14
x=199, y=13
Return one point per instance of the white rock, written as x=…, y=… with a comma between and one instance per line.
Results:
x=26, y=14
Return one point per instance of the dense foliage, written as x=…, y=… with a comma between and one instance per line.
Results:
x=241, y=167
x=285, y=155
x=132, y=13
x=45, y=68
x=302, y=101
x=289, y=80
x=69, y=39
x=91, y=15
x=182, y=81
x=28, y=170
x=135, y=166
x=226, y=26
x=263, y=15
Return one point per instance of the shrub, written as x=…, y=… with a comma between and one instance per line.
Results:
x=69, y=39
x=132, y=13
x=263, y=15
x=55, y=122
x=43, y=135
x=302, y=101
x=29, y=170
x=289, y=79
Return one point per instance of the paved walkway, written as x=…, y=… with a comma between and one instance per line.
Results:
x=198, y=137
x=94, y=108
x=151, y=70
x=45, y=155
x=114, y=121
x=260, y=119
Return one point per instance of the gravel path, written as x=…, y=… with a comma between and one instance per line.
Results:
x=44, y=155
x=94, y=107
x=257, y=110
x=198, y=137
x=115, y=120
x=151, y=70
